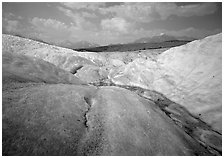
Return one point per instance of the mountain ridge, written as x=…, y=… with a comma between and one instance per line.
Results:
x=163, y=38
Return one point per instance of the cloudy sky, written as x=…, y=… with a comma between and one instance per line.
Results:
x=109, y=23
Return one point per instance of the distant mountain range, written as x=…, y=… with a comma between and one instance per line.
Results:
x=65, y=43
x=162, y=38
x=155, y=42
x=76, y=45
x=134, y=46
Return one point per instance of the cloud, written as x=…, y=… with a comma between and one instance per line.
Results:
x=11, y=26
x=51, y=28
x=88, y=15
x=116, y=21
x=80, y=18
x=12, y=16
x=106, y=23
x=167, y=9
x=115, y=24
x=84, y=5
x=20, y=17
x=146, y=12
x=48, y=25
x=11, y=23
x=9, y=15
x=135, y=12
x=131, y=11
